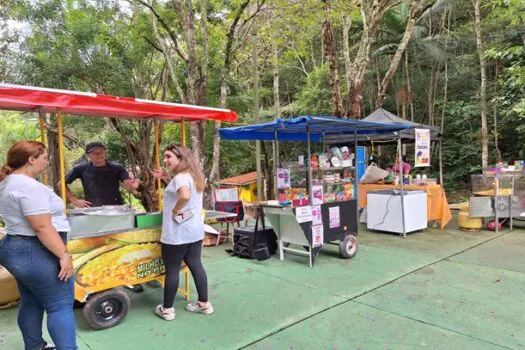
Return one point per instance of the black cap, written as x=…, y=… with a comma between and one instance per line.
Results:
x=92, y=145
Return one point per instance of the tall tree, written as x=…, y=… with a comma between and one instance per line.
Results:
x=483, y=87
x=238, y=28
x=414, y=12
x=371, y=15
x=330, y=55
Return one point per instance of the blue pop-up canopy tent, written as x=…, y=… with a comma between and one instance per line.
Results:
x=316, y=127
x=312, y=129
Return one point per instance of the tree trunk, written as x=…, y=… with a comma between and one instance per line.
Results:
x=495, y=111
x=483, y=88
x=203, y=85
x=371, y=18
x=430, y=95
x=409, y=89
x=53, y=152
x=445, y=88
x=331, y=58
x=347, y=23
x=228, y=54
x=275, y=72
x=414, y=9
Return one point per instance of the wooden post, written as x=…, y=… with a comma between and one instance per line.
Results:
x=61, y=157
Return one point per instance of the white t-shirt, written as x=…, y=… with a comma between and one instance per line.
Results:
x=191, y=230
x=22, y=196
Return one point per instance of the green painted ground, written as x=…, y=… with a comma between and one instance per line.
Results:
x=435, y=289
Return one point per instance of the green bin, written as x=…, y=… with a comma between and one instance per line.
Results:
x=148, y=219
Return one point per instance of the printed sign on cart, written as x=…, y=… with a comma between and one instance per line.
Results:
x=303, y=214
x=317, y=235
x=283, y=179
x=317, y=191
x=422, y=147
x=334, y=217
x=317, y=218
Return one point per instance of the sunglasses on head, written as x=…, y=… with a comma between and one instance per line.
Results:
x=173, y=148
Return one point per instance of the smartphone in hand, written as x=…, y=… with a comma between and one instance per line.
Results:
x=183, y=217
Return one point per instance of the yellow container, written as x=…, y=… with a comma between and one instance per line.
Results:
x=248, y=193
x=465, y=222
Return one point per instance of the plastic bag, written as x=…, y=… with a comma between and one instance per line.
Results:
x=373, y=174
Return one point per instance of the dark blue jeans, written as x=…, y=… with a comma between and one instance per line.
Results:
x=36, y=272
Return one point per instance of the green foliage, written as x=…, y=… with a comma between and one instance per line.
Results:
x=16, y=127
x=315, y=98
x=105, y=47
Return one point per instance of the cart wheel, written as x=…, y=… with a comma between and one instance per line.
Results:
x=106, y=309
x=348, y=247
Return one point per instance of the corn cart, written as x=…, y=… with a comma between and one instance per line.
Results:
x=111, y=246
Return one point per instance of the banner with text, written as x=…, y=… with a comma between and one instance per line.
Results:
x=422, y=148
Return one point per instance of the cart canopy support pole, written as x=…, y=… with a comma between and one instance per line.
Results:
x=42, y=119
x=61, y=157
x=309, y=164
x=157, y=161
x=401, y=179
x=183, y=132
x=356, y=182
x=275, y=166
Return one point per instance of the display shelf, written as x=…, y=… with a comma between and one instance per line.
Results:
x=506, y=193
x=333, y=168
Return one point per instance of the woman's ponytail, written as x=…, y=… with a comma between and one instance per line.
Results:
x=6, y=170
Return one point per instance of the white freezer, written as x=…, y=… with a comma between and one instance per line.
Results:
x=384, y=211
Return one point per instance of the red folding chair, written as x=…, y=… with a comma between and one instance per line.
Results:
x=227, y=200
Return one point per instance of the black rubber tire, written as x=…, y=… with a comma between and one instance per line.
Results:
x=348, y=247
x=106, y=309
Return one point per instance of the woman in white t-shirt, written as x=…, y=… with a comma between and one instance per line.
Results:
x=182, y=229
x=34, y=249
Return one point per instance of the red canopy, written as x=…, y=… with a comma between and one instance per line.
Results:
x=34, y=99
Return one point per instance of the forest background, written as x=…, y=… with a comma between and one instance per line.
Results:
x=458, y=65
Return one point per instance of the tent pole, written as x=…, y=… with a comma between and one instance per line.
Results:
x=183, y=132
x=356, y=182
x=61, y=157
x=401, y=179
x=309, y=164
x=440, y=163
x=157, y=161
x=42, y=119
x=274, y=164
x=258, y=169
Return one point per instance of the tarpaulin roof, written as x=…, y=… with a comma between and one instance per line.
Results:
x=381, y=115
x=296, y=129
x=34, y=99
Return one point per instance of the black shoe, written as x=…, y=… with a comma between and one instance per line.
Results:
x=137, y=288
x=48, y=347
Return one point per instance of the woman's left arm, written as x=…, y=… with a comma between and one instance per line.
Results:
x=184, y=196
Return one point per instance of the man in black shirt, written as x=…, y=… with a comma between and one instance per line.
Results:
x=100, y=179
x=101, y=182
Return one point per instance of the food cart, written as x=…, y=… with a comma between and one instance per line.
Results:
x=314, y=217
x=111, y=246
x=498, y=193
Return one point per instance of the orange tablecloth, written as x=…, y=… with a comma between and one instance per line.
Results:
x=437, y=205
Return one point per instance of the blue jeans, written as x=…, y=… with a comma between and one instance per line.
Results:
x=36, y=272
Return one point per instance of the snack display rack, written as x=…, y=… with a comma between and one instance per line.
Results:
x=502, y=196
